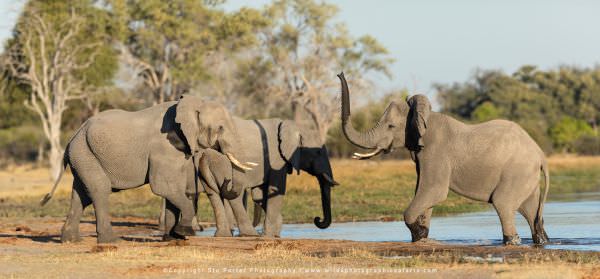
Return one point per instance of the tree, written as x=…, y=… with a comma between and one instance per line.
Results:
x=169, y=43
x=50, y=54
x=301, y=51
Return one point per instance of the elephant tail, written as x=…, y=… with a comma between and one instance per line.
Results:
x=48, y=196
x=539, y=222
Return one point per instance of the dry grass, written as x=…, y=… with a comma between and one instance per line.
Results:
x=369, y=190
x=267, y=259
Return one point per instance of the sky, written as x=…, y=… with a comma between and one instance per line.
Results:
x=446, y=41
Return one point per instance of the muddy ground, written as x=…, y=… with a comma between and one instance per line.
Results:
x=32, y=248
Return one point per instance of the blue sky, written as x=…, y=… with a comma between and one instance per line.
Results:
x=445, y=41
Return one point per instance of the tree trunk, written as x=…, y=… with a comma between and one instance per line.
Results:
x=56, y=151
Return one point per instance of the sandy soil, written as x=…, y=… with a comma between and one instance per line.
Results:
x=32, y=248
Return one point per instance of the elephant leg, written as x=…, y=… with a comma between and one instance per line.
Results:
x=98, y=187
x=514, y=189
x=433, y=183
x=170, y=220
x=230, y=217
x=223, y=229
x=273, y=219
x=167, y=181
x=243, y=220
x=162, y=216
x=529, y=210
x=103, y=226
x=79, y=201
x=196, y=221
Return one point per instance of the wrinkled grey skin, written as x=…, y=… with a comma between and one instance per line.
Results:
x=117, y=150
x=278, y=147
x=214, y=180
x=495, y=162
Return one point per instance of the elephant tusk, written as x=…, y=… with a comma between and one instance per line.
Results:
x=237, y=163
x=251, y=164
x=329, y=179
x=362, y=156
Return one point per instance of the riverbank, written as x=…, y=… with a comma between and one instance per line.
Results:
x=29, y=248
x=369, y=190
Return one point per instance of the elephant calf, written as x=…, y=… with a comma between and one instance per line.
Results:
x=495, y=162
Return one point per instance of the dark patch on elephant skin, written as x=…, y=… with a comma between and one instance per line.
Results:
x=418, y=230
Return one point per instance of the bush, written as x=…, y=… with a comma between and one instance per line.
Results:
x=588, y=145
x=18, y=144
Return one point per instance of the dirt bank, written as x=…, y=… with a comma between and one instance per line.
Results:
x=32, y=248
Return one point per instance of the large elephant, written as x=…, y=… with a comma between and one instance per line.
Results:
x=117, y=150
x=277, y=147
x=495, y=162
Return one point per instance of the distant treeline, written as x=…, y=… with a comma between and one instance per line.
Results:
x=559, y=108
x=68, y=60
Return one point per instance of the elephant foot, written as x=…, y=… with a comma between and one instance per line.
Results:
x=249, y=233
x=171, y=237
x=540, y=238
x=184, y=230
x=417, y=230
x=511, y=240
x=223, y=233
x=67, y=237
x=107, y=238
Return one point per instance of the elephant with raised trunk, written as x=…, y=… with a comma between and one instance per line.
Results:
x=117, y=150
x=495, y=162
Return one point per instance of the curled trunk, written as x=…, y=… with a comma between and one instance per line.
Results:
x=233, y=193
x=367, y=139
x=326, y=204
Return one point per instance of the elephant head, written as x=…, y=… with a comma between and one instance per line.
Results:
x=301, y=148
x=217, y=172
x=403, y=124
x=207, y=124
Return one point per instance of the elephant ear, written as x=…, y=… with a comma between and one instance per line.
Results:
x=290, y=141
x=187, y=116
x=420, y=109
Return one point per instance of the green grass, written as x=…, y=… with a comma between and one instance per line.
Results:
x=379, y=191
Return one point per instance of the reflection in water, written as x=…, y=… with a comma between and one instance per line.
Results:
x=570, y=225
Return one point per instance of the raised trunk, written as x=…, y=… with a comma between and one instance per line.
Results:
x=367, y=139
x=325, y=203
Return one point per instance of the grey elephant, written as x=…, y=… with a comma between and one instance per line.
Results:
x=495, y=162
x=277, y=147
x=117, y=150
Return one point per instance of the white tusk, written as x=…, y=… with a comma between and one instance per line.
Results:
x=251, y=164
x=237, y=163
x=357, y=155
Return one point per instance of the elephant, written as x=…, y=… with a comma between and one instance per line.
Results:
x=215, y=173
x=277, y=147
x=117, y=150
x=495, y=162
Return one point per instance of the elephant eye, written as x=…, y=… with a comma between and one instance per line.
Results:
x=391, y=126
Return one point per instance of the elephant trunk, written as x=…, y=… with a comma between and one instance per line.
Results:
x=367, y=139
x=325, y=202
x=233, y=193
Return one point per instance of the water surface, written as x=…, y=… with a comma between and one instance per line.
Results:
x=570, y=225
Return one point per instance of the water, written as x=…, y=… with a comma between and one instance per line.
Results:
x=570, y=226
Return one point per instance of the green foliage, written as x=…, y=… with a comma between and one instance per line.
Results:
x=567, y=130
x=486, y=111
x=556, y=107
